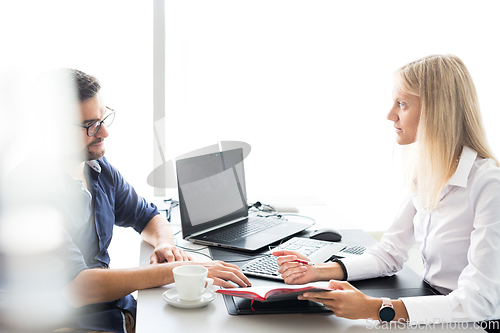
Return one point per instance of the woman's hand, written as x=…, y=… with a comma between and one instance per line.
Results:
x=346, y=301
x=291, y=271
x=224, y=273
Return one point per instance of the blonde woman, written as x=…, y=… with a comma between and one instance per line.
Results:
x=452, y=214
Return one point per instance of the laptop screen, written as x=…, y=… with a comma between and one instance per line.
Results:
x=211, y=190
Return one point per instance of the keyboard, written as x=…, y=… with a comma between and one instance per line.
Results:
x=242, y=230
x=267, y=266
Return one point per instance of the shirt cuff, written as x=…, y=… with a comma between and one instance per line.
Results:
x=362, y=267
x=426, y=310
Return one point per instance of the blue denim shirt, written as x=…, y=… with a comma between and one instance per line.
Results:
x=87, y=238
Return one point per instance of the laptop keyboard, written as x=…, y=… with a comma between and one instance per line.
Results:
x=267, y=265
x=242, y=230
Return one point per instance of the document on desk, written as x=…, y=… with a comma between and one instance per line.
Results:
x=271, y=293
x=272, y=299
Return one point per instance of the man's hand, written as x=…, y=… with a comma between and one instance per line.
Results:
x=224, y=273
x=159, y=234
x=166, y=252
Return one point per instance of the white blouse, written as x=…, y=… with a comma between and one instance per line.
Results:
x=459, y=243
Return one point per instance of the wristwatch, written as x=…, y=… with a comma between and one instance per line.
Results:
x=386, y=312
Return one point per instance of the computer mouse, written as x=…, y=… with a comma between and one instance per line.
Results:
x=326, y=234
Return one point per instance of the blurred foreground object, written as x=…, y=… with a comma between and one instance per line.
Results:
x=36, y=140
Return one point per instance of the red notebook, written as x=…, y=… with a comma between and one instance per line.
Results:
x=271, y=293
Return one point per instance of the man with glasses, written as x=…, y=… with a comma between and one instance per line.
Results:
x=105, y=199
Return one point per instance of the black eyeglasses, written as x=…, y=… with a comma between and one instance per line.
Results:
x=93, y=128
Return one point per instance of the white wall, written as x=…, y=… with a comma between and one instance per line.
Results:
x=308, y=85
x=110, y=39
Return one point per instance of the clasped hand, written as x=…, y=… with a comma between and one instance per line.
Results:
x=166, y=252
x=224, y=274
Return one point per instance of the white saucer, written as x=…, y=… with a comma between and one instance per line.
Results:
x=172, y=297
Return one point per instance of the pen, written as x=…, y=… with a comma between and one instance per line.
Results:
x=304, y=262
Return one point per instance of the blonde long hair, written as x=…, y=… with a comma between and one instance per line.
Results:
x=449, y=120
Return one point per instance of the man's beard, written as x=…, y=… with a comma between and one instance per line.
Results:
x=94, y=155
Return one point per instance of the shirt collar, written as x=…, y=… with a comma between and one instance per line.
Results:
x=467, y=159
x=94, y=165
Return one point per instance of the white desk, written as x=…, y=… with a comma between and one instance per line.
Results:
x=155, y=315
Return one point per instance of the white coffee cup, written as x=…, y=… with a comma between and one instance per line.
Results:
x=191, y=281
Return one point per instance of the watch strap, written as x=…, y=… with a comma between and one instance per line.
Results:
x=386, y=302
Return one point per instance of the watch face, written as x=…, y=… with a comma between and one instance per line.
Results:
x=387, y=314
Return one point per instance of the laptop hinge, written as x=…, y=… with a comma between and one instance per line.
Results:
x=204, y=231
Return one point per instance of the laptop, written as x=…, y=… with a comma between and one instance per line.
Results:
x=214, y=209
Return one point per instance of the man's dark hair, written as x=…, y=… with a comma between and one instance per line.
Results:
x=88, y=86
